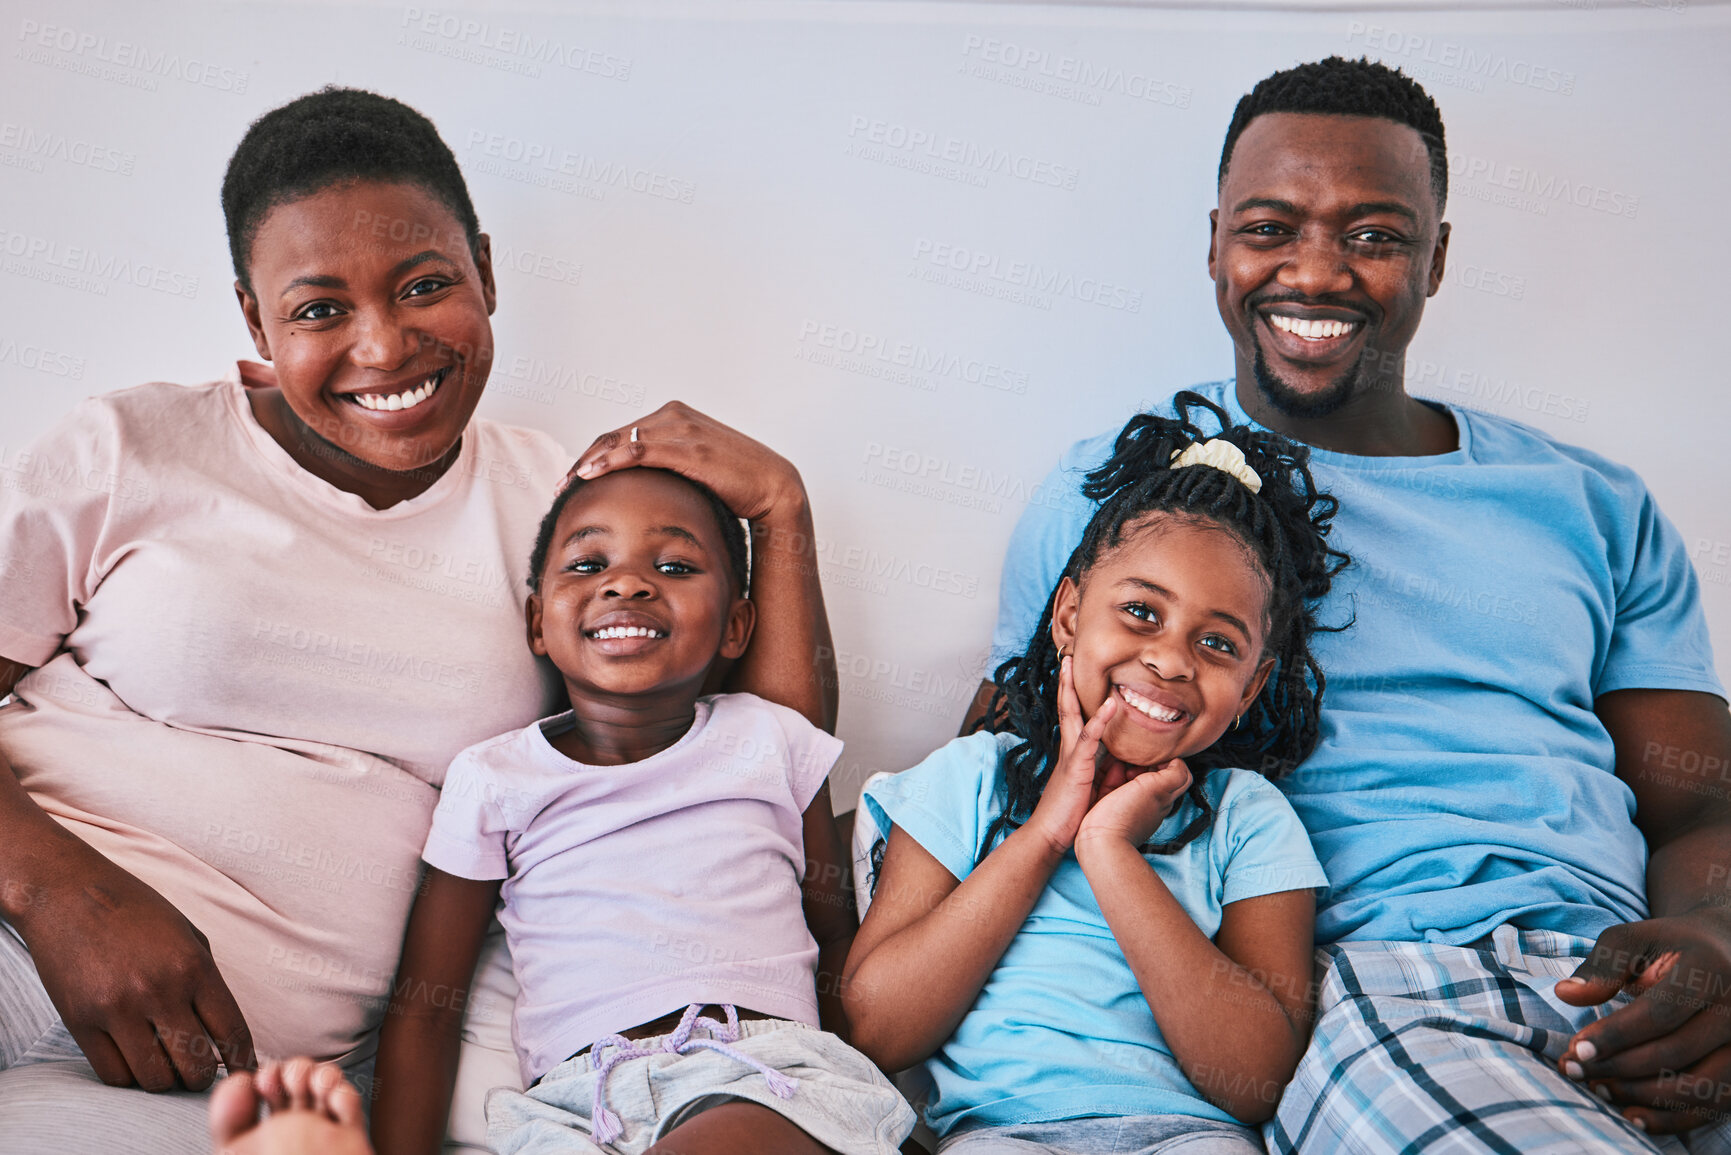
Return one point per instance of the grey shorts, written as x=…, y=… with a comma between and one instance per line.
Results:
x=1130, y=1135
x=841, y=1099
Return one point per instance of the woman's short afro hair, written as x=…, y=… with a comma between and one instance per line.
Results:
x=1340, y=87
x=330, y=137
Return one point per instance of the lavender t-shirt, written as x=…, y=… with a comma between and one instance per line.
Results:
x=631, y=891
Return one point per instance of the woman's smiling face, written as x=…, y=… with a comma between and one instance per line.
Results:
x=369, y=301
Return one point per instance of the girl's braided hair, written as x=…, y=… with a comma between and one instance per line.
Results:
x=1285, y=525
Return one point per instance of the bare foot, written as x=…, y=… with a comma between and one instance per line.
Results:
x=313, y=1111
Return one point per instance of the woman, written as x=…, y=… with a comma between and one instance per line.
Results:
x=248, y=624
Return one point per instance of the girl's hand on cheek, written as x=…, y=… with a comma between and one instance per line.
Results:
x=1110, y=774
x=1070, y=789
x=1133, y=811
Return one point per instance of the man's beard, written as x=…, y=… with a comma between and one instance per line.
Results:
x=1290, y=402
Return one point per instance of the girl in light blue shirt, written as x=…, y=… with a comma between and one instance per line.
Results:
x=1094, y=926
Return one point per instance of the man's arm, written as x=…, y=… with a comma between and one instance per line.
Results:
x=1674, y=751
x=1666, y=1056
x=978, y=707
x=1034, y=560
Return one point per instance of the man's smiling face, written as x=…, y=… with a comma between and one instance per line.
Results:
x=1326, y=243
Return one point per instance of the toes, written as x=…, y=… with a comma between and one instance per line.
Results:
x=324, y=1080
x=335, y=1096
x=297, y=1077
x=233, y=1109
x=271, y=1089
x=344, y=1105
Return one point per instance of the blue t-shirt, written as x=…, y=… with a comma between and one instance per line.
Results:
x=1462, y=779
x=1061, y=1030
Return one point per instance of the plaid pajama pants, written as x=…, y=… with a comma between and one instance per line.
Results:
x=1437, y=1049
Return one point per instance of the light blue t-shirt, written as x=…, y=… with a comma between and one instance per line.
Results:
x=1462, y=779
x=1061, y=1030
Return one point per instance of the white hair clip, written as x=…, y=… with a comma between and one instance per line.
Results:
x=1221, y=455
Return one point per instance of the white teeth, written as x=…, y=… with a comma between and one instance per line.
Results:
x=626, y=632
x=1158, y=713
x=407, y=399
x=1311, y=330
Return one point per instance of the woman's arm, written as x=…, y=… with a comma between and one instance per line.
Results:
x=422, y=1035
x=133, y=980
x=791, y=660
x=1237, y=1011
x=826, y=895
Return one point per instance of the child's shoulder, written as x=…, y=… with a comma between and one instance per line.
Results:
x=1236, y=786
x=743, y=713
x=504, y=750
x=947, y=801
x=1257, y=841
x=766, y=733
x=962, y=768
x=976, y=755
x=731, y=707
x=1244, y=798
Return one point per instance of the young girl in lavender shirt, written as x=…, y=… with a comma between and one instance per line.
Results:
x=660, y=852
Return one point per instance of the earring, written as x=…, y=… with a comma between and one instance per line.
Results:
x=1238, y=721
x=1063, y=652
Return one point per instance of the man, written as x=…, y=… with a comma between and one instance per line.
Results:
x=1497, y=795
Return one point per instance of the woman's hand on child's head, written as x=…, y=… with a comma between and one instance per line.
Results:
x=750, y=478
x=1133, y=802
x=1070, y=790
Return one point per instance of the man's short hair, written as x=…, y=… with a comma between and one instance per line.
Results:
x=1340, y=87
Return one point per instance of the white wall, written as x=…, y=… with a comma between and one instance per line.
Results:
x=1589, y=304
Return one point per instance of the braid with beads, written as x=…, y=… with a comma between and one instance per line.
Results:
x=1285, y=526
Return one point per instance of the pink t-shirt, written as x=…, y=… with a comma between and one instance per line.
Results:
x=631, y=891
x=250, y=682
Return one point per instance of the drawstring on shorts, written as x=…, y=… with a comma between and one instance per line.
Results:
x=605, y=1125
